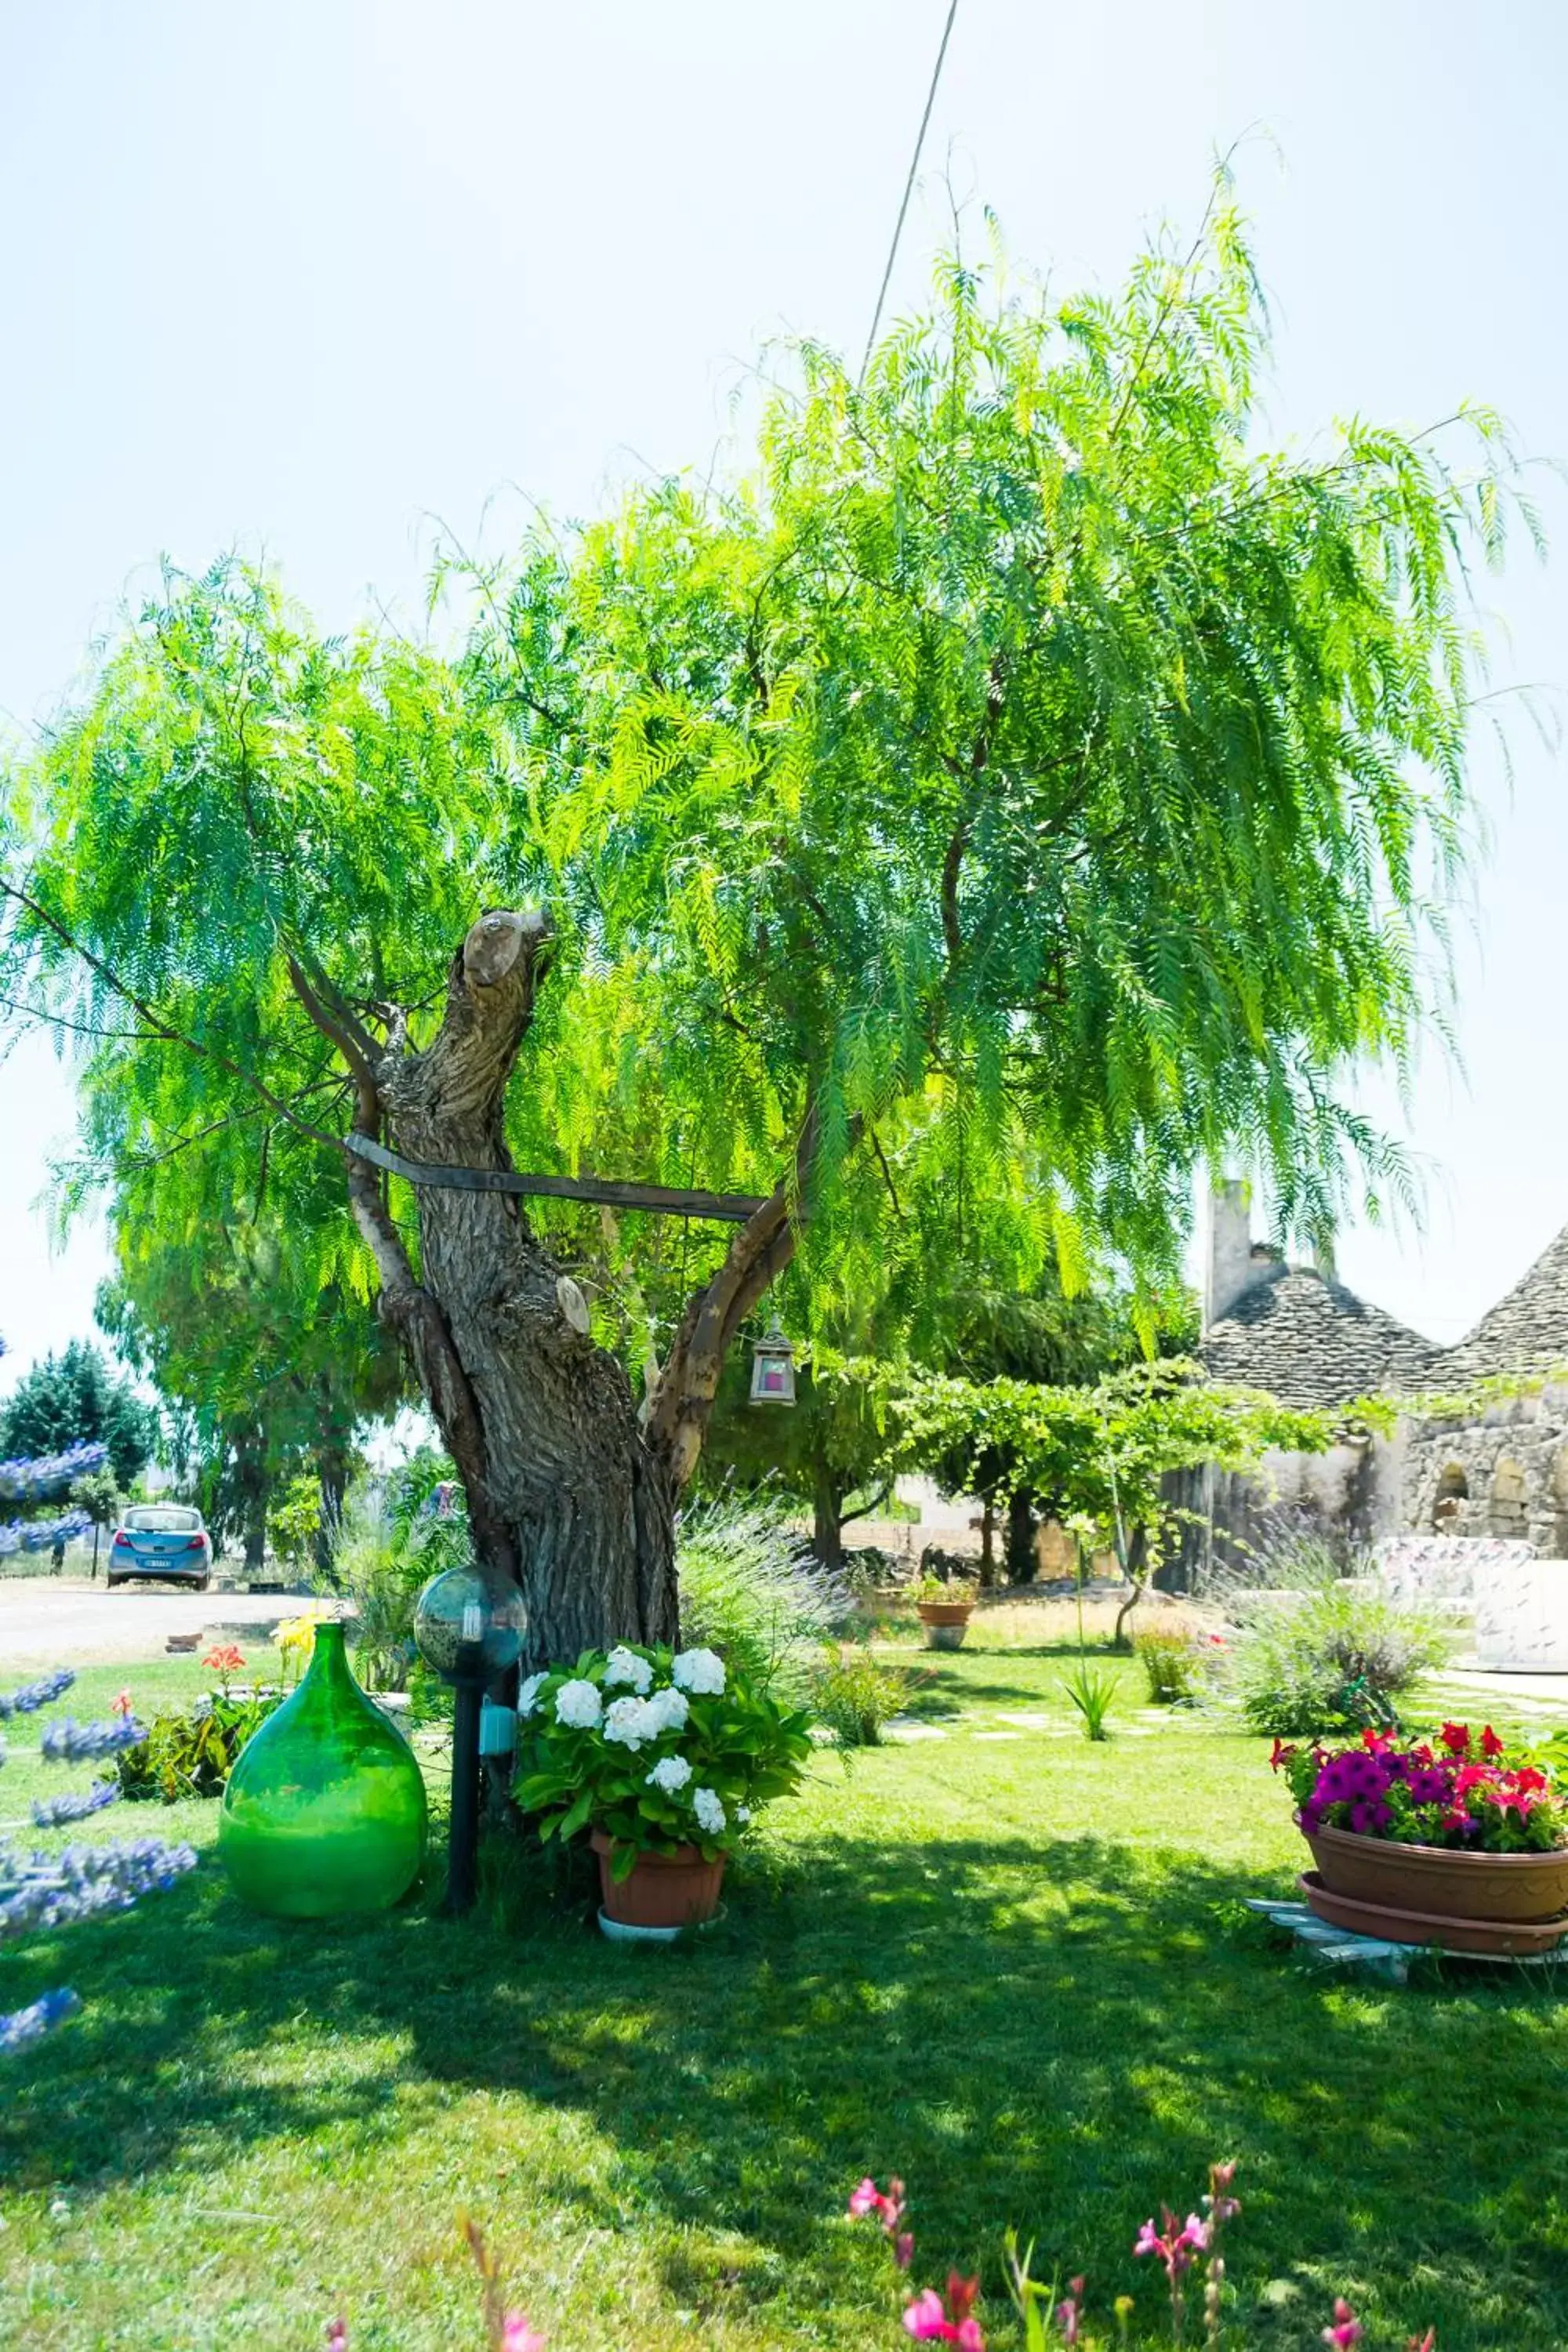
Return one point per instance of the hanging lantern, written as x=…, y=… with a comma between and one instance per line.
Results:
x=773, y=1367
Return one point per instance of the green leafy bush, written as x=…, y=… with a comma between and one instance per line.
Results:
x=192, y=1755
x=1340, y=1659
x=1174, y=1660
x=752, y=1588
x=854, y=1695
x=656, y=1749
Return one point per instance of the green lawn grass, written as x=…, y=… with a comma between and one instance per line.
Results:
x=1006, y=1963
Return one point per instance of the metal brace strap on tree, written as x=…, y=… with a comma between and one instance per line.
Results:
x=663, y=1199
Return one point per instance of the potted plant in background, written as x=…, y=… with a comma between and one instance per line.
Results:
x=1450, y=1842
x=944, y=1605
x=663, y=1758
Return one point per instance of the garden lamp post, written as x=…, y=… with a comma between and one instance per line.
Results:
x=469, y=1633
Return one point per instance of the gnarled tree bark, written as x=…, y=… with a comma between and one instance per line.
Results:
x=572, y=1492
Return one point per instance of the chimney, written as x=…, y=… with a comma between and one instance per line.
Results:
x=1231, y=1266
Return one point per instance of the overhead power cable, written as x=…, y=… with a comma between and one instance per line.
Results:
x=908, y=190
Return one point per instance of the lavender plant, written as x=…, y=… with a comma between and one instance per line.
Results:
x=42, y=1889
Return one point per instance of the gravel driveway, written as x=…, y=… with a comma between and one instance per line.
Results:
x=62, y=1621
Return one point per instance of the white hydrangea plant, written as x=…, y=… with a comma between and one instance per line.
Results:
x=659, y=1749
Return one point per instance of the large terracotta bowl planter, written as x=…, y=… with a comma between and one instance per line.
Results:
x=946, y=1622
x=1437, y=1881
x=662, y=1891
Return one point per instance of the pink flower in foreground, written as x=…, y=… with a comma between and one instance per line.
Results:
x=121, y=1704
x=1070, y=2311
x=1347, y=2329
x=1175, y=2247
x=868, y=2199
x=927, y=2321
x=337, y=2336
x=517, y=2336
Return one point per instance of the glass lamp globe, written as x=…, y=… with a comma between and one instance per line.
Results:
x=467, y=1629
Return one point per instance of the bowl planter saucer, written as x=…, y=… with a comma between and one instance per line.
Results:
x=1439, y=1882
x=1492, y=1939
x=946, y=1622
x=661, y=1895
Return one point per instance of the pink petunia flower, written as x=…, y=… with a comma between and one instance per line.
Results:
x=1347, y=2329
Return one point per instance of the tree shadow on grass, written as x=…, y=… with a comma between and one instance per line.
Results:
x=1059, y=2034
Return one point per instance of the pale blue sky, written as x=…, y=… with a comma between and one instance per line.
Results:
x=305, y=277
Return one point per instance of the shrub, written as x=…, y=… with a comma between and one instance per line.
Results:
x=656, y=1749
x=192, y=1753
x=1337, y=1661
x=854, y=1697
x=752, y=1588
x=1173, y=1659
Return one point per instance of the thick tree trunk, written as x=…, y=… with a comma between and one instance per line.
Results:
x=827, y=1527
x=571, y=1492
x=1020, y=1538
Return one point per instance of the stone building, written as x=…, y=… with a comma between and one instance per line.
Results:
x=1498, y=1468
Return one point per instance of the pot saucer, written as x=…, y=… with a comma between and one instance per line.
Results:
x=1497, y=1938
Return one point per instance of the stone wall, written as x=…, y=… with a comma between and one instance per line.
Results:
x=1504, y=1472
x=1350, y=1496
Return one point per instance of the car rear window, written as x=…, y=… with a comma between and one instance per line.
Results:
x=163, y=1519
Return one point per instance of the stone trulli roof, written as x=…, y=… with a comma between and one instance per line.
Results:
x=1310, y=1341
x=1525, y=1332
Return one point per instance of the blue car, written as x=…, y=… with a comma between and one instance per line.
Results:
x=161, y=1539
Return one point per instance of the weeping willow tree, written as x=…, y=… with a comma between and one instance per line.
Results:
x=1014, y=779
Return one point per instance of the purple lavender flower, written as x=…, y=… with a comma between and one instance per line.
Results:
x=25, y=2025
x=54, y=1813
x=72, y=1743
x=29, y=1696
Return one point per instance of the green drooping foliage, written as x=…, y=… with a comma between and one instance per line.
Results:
x=1019, y=787
x=73, y=1399
x=258, y=1334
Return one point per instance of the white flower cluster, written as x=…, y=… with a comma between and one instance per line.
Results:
x=708, y=1806
x=623, y=1665
x=700, y=1671
x=578, y=1705
x=637, y=1722
x=671, y=1774
x=528, y=1696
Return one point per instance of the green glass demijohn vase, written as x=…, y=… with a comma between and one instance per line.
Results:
x=325, y=1811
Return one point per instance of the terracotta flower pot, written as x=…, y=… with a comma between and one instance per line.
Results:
x=945, y=1622
x=1440, y=1882
x=662, y=1890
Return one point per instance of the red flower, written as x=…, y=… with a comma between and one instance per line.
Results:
x=1281, y=1757
x=225, y=1659
x=1456, y=1737
x=1491, y=1746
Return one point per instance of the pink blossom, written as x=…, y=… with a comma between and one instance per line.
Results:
x=1176, y=2247
x=337, y=2336
x=1347, y=2329
x=903, y=2249
x=1070, y=2311
x=867, y=2198
x=517, y=2336
x=121, y=1704
x=926, y=2319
